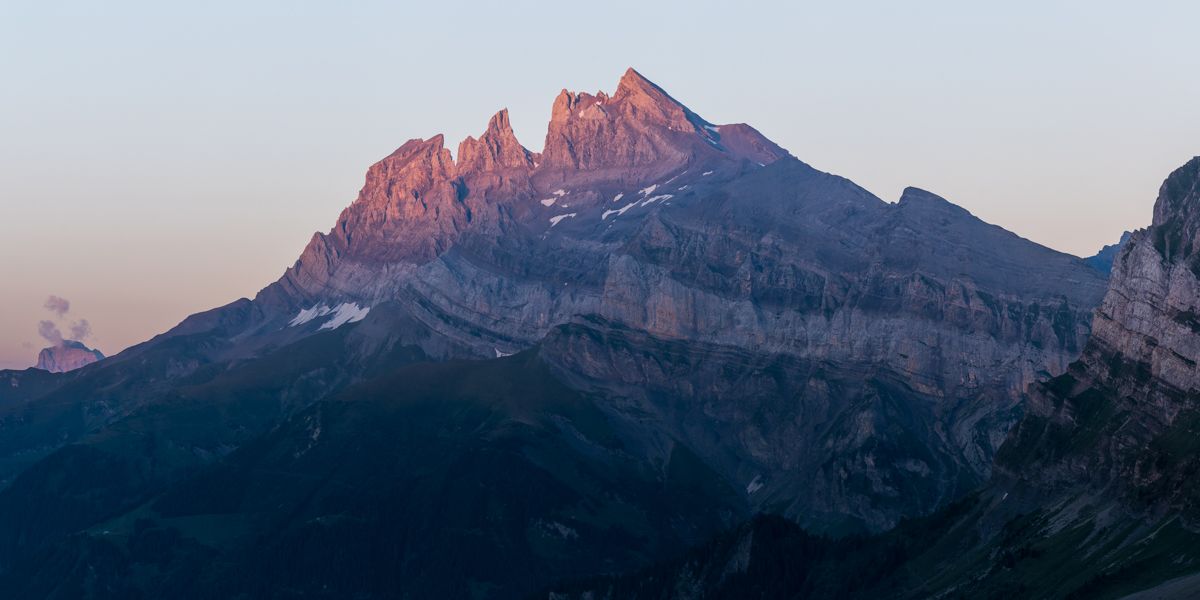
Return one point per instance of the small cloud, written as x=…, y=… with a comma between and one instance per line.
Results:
x=57, y=305
x=49, y=331
x=81, y=330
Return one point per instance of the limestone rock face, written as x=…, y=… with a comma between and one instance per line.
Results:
x=67, y=356
x=497, y=149
x=910, y=330
x=418, y=203
x=1094, y=492
x=1123, y=416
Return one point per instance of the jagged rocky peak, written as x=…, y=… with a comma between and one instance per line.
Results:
x=654, y=104
x=67, y=356
x=413, y=189
x=641, y=126
x=496, y=149
x=412, y=169
x=418, y=201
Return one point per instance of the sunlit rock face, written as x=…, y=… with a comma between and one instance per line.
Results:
x=67, y=356
x=909, y=330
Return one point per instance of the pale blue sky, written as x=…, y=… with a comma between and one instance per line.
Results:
x=158, y=159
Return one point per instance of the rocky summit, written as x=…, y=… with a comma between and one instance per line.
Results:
x=67, y=356
x=581, y=361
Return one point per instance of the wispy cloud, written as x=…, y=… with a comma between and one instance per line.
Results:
x=50, y=329
x=57, y=305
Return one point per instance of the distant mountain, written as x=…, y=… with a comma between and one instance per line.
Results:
x=511, y=369
x=67, y=356
x=1103, y=260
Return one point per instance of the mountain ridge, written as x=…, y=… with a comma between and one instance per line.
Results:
x=1093, y=494
x=704, y=319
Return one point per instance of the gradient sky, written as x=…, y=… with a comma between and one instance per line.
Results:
x=157, y=159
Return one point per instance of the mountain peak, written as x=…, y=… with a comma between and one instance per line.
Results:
x=632, y=78
x=652, y=100
x=640, y=128
x=496, y=149
x=67, y=356
x=635, y=84
x=917, y=197
x=416, y=202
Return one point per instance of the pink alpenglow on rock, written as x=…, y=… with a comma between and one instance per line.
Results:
x=67, y=356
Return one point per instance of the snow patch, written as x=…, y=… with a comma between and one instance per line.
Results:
x=554, y=220
x=755, y=484
x=646, y=191
x=619, y=211
x=549, y=201
x=618, y=196
x=654, y=199
x=560, y=193
x=309, y=314
x=347, y=312
x=706, y=173
x=563, y=531
x=712, y=128
x=500, y=354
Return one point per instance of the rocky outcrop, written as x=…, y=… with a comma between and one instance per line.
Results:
x=496, y=150
x=1122, y=417
x=67, y=356
x=641, y=132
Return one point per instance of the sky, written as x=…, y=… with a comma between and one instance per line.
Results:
x=159, y=159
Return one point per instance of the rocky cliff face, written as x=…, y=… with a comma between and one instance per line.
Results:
x=704, y=326
x=649, y=218
x=1094, y=494
x=67, y=356
x=418, y=202
x=1123, y=415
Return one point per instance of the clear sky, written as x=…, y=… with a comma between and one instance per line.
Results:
x=161, y=158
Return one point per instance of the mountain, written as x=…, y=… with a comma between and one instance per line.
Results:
x=67, y=356
x=648, y=217
x=1103, y=260
x=1094, y=493
x=503, y=371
